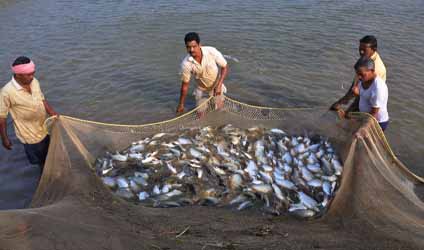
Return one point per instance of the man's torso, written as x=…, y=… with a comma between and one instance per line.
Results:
x=206, y=73
x=27, y=110
x=374, y=96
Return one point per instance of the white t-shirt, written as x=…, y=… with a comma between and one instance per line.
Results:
x=375, y=96
x=207, y=72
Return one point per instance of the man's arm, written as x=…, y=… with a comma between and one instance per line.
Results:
x=347, y=97
x=374, y=112
x=183, y=94
x=49, y=109
x=224, y=73
x=3, y=133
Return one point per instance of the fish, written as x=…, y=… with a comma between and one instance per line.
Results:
x=122, y=182
x=278, y=192
x=285, y=184
x=245, y=205
x=136, y=148
x=306, y=175
x=303, y=213
x=307, y=201
x=171, y=168
x=266, y=176
x=184, y=141
x=196, y=154
x=235, y=181
x=158, y=135
x=119, y=157
x=143, y=196
x=140, y=181
x=262, y=188
x=337, y=166
x=315, y=183
x=326, y=187
x=109, y=181
x=277, y=131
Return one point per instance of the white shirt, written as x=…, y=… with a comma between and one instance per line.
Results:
x=206, y=73
x=375, y=96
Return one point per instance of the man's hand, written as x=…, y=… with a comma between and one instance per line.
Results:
x=342, y=114
x=218, y=90
x=336, y=106
x=180, y=109
x=7, y=144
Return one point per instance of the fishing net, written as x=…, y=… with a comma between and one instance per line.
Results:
x=376, y=206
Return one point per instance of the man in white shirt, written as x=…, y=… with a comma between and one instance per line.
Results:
x=209, y=68
x=372, y=91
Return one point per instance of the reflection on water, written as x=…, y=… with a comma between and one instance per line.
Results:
x=118, y=61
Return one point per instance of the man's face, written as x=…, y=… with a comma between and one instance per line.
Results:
x=365, y=50
x=365, y=75
x=25, y=79
x=193, y=48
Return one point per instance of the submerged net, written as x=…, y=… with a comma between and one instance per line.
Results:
x=376, y=205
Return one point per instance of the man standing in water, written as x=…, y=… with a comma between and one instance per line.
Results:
x=203, y=63
x=23, y=99
x=367, y=49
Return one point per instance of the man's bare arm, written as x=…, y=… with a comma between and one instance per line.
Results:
x=224, y=73
x=347, y=97
x=183, y=94
x=3, y=134
x=374, y=112
x=49, y=109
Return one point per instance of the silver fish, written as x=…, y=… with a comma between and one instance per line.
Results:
x=122, y=182
x=143, y=196
x=119, y=157
x=307, y=201
x=109, y=181
x=244, y=205
x=278, y=192
x=159, y=135
x=278, y=131
x=262, y=188
x=315, y=183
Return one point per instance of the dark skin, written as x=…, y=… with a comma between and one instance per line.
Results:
x=364, y=50
x=25, y=81
x=366, y=76
x=194, y=49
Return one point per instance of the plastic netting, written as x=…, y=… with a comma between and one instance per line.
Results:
x=376, y=206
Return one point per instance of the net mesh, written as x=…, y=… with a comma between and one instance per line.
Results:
x=376, y=206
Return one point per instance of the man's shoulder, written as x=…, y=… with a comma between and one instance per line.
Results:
x=7, y=88
x=186, y=60
x=209, y=49
x=379, y=83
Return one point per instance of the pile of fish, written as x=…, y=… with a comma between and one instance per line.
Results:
x=229, y=167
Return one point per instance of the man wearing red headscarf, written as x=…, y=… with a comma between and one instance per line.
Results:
x=23, y=99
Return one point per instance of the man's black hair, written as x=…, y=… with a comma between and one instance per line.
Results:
x=21, y=60
x=370, y=40
x=191, y=36
x=364, y=62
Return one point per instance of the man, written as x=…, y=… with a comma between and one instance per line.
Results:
x=367, y=49
x=23, y=99
x=209, y=68
x=372, y=91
